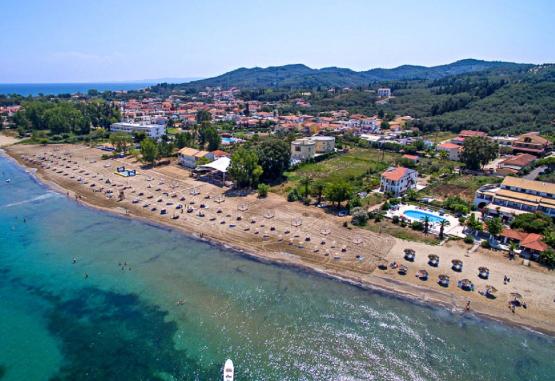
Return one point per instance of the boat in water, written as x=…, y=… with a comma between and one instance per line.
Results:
x=228, y=370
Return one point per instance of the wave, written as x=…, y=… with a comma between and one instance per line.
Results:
x=34, y=199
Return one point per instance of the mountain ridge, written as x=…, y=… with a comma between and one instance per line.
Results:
x=302, y=76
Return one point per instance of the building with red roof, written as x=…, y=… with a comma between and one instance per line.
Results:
x=397, y=180
x=530, y=243
x=453, y=150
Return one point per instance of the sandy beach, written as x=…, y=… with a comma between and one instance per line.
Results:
x=277, y=231
x=6, y=140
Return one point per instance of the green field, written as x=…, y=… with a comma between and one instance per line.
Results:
x=359, y=167
x=456, y=185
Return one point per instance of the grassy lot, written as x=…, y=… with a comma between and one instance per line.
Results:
x=360, y=167
x=456, y=185
x=406, y=233
x=440, y=136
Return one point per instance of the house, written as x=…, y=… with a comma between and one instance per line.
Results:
x=384, y=92
x=190, y=157
x=531, y=143
x=414, y=158
x=531, y=243
x=515, y=164
x=453, y=150
x=324, y=144
x=153, y=131
x=303, y=149
x=467, y=134
x=397, y=180
x=219, y=154
x=516, y=196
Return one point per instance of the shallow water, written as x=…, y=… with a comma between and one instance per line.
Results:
x=122, y=321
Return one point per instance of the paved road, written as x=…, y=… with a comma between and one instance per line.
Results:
x=535, y=173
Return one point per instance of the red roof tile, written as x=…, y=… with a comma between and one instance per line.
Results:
x=395, y=174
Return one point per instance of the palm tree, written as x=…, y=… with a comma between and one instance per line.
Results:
x=512, y=248
x=426, y=224
x=305, y=182
x=442, y=226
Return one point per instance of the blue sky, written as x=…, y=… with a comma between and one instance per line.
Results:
x=100, y=40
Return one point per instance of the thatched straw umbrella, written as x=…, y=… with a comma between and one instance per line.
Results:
x=410, y=254
x=243, y=207
x=483, y=272
x=325, y=231
x=457, y=265
x=357, y=240
x=443, y=280
x=433, y=260
x=517, y=298
x=269, y=214
x=422, y=274
x=382, y=264
x=466, y=285
x=403, y=270
x=491, y=291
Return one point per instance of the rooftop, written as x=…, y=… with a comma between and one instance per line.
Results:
x=538, y=186
x=397, y=173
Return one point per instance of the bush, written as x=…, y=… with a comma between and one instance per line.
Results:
x=359, y=216
x=263, y=190
x=105, y=156
x=485, y=245
x=293, y=195
x=403, y=223
x=386, y=206
x=417, y=225
x=469, y=239
x=395, y=219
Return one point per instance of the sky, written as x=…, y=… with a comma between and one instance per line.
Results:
x=120, y=40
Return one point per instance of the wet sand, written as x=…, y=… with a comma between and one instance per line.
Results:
x=275, y=231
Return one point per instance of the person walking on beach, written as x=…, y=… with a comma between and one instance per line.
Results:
x=467, y=308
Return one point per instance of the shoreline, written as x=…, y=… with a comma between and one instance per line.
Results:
x=375, y=282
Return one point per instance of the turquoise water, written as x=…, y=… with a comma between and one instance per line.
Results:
x=227, y=140
x=122, y=322
x=420, y=215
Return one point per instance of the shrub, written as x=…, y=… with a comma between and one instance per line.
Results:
x=469, y=239
x=105, y=156
x=359, y=216
x=386, y=206
x=395, y=219
x=263, y=190
x=485, y=245
x=417, y=225
x=293, y=195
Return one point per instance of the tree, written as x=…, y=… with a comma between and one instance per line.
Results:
x=184, y=139
x=533, y=222
x=442, y=226
x=121, y=141
x=318, y=190
x=338, y=192
x=165, y=149
x=274, y=156
x=305, y=183
x=244, y=167
x=495, y=226
x=426, y=225
x=203, y=116
x=213, y=138
x=548, y=257
x=149, y=150
x=478, y=151
x=443, y=155
x=474, y=224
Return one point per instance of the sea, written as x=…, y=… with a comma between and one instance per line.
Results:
x=86, y=295
x=34, y=89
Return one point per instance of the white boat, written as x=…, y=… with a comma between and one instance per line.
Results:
x=228, y=370
x=8, y=180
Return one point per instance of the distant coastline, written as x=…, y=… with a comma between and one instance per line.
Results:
x=34, y=89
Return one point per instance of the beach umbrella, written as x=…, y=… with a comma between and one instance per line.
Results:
x=483, y=272
x=403, y=269
x=357, y=240
x=296, y=222
x=466, y=284
x=325, y=231
x=382, y=264
x=457, y=264
x=243, y=207
x=422, y=274
x=490, y=291
x=516, y=296
x=268, y=214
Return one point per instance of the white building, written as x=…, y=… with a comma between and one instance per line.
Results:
x=154, y=131
x=190, y=157
x=384, y=92
x=303, y=149
x=397, y=180
x=515, y=196
x=324, y=144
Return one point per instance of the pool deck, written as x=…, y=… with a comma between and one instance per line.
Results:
x=453, y=229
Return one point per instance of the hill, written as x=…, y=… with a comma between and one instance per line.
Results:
x=301, y=76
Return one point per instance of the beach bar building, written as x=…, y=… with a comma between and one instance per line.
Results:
x=153, y=131
x=190, y=157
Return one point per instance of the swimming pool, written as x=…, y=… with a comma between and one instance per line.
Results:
x=226, y=140
x=420, y=215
